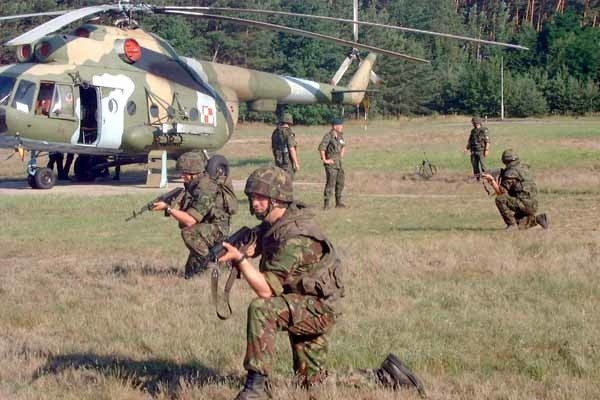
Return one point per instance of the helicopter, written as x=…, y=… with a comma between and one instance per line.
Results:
x=115, y=94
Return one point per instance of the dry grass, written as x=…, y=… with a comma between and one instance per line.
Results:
x=95, y=308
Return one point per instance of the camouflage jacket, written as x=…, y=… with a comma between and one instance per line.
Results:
x=203, y=200
x=282, y=140
x=332, y=145
x=478, y=139
x=296, y=257
x=517, y=181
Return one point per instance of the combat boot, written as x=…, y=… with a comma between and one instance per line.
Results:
x=197, y=267
x=326, y=204
x=511, y=227
x=395, y=375
x=542, y=220
x=255, y=388
x=339, y=204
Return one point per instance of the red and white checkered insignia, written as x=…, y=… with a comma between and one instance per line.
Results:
x=208, y=116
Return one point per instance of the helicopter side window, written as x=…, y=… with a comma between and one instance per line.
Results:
x=44, y=98
x=62, y=102
x=23, y=99
x=7, y=83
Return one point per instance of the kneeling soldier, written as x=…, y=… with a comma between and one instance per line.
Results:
x=516, y=194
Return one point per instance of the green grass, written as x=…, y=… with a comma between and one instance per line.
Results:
x=93, y=307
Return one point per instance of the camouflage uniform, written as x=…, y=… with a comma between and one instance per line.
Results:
x=334, y=173
x=210, y=201
x=292, y=251
x=479, y=139
x=282, y=140
x=518, y=204
x=303, y=272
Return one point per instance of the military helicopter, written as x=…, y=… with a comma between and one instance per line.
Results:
x=116, y=91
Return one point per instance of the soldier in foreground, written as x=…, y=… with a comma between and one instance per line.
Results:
x=332, y=149
x=284, y=146
x=516, y=194
x=479, y=146
x=204, y=210
x=298, y=284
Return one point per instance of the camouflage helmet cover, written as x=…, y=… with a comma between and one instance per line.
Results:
x=272, y=182
x=191, y=162
x=476, y=120
x=287, y=119
x=508, y=156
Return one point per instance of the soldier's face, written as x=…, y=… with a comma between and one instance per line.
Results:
x=338, y=128
x=187, y=178
x=260, y=205
x=476, y=125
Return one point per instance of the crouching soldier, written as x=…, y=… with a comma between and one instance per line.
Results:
x=516, y=194
x=298, y=284
x=205, y=207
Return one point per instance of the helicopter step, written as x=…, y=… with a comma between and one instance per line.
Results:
x=157, y=169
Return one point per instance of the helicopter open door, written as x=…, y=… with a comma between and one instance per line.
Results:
x=102, y=115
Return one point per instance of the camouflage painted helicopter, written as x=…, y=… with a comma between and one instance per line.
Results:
x=116, y=91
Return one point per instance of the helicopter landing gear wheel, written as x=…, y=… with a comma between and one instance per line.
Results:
x=43, y=178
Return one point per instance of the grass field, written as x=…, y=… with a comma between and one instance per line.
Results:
x=92, y=307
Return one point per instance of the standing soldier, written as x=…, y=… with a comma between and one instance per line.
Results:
x=284, y=146
x=332, y=149
x=298, y=284
x=56, y=157
x=204, y=209
x=516, y=194
x=479, y=146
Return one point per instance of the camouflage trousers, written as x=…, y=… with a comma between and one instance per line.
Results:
x=199, y=238
x=335, y=179
x=477, y=159
x=308, y=323
x=517, y=211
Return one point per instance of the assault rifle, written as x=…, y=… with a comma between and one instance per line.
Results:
x=167, y=198
x=240, y=239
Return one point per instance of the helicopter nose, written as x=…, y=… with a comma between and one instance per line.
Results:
x=3, y=128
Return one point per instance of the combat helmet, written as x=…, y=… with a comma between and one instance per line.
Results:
x=509, y=156
x=287, y=119
x=476, y=120
x=272, y=182
x=191, y=162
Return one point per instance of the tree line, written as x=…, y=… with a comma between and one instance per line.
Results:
x=560, y=74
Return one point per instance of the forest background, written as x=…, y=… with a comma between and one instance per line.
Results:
x=560, y=74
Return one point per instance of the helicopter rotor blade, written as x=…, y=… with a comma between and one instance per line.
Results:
x=400, y=28
x=41, y=14
x=295, y=31
x=59, y=22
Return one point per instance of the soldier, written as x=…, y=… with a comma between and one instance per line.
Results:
x=284, y=146
x=56, y=157
x=516, y=194
x=298, y=284
x=204, y=209
x=479, y=146
x=332, y=149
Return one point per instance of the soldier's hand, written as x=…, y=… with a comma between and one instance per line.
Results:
x=232, y=254
x=328, y=162
x=487, y=176
x=297, y=167
x=486, y=153
x=159, y=206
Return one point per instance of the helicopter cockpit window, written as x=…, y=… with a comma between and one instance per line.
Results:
x=23, y=99
x=62, y=102
x=7, y=83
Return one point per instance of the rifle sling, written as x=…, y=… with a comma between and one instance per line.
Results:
x=214, y=288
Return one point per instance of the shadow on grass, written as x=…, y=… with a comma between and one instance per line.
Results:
x=153, y=376
x=244, y=162
x=123, y=270
x=445, y=229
